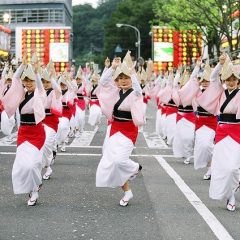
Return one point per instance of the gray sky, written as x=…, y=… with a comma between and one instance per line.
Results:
x=92, y=2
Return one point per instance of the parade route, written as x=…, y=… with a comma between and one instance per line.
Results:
x=71, y=207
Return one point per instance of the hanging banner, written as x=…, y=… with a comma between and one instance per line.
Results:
x=163, y=52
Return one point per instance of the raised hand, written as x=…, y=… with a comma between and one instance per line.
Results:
x=107, y=62
x=199, y=61
x=222, y=58
x=116, y=62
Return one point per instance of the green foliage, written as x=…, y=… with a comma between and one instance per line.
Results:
x=96, y=35
x=208, y=16
x=88, y=30
x=132, y=12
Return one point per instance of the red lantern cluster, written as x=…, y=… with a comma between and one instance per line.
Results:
x=33, y=42
x=61, y=66
x=189, y=46
x=38, y=41
x=59, y=35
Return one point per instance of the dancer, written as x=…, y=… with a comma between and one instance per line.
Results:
x=168, y=98
x=226, y=102
x=26, y=173
x=80, y=102
x=206, y=123
x=183, y=141
x=95, y=112
x=53, y=110
x=7, y=124
x=161, y=113
x=67, y=104
x=125, y=108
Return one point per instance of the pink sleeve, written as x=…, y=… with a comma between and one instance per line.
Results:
x=175, y=96
x=108, y=95
x=166, y=94
x=154, y=91
x=56, y=106
x=137, y=109
x=188, y=92
x=39, y=103
x=14, y=96
x=210, y=98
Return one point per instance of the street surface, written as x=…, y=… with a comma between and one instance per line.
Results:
x=170, y=199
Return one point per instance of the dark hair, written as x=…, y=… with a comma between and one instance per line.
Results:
x=230, y=77
x=27, y=79
x=122, y=75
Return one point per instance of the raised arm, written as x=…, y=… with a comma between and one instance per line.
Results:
x=106, y=76
x=15, y=94
x=191, y=88
x=210, y=98
x=135, y=85
x=56, y=88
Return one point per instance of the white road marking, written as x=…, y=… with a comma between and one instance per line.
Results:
x=154, y=141
x=85, y=139
x=217, y=228
x=5, y=140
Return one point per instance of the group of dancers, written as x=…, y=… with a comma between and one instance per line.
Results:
x=198, y=114
x=48, y=109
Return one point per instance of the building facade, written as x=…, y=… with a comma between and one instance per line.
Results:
x=35, y=13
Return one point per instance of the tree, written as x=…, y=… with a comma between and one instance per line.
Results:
x=88, y=30
x=213, y=17
x=136, y=13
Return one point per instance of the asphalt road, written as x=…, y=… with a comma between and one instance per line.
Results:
x=71, y=207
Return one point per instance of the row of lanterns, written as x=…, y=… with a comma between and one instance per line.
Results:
x=59, y=35
x=162, y=35
x=189, y=46
x=61, y=66
x=33, y=42
x=38, y=41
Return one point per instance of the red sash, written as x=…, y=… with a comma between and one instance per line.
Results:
x=128, y=129
x=231, y=130
x=164, y=109
x=208, y=121
x=171, y=110
x=35, y=134
x=96, y=102
x=1, y=106
x=52, y=122
x=145, y=100
x=188, y=116
x=81, y=103
x=67, y=113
